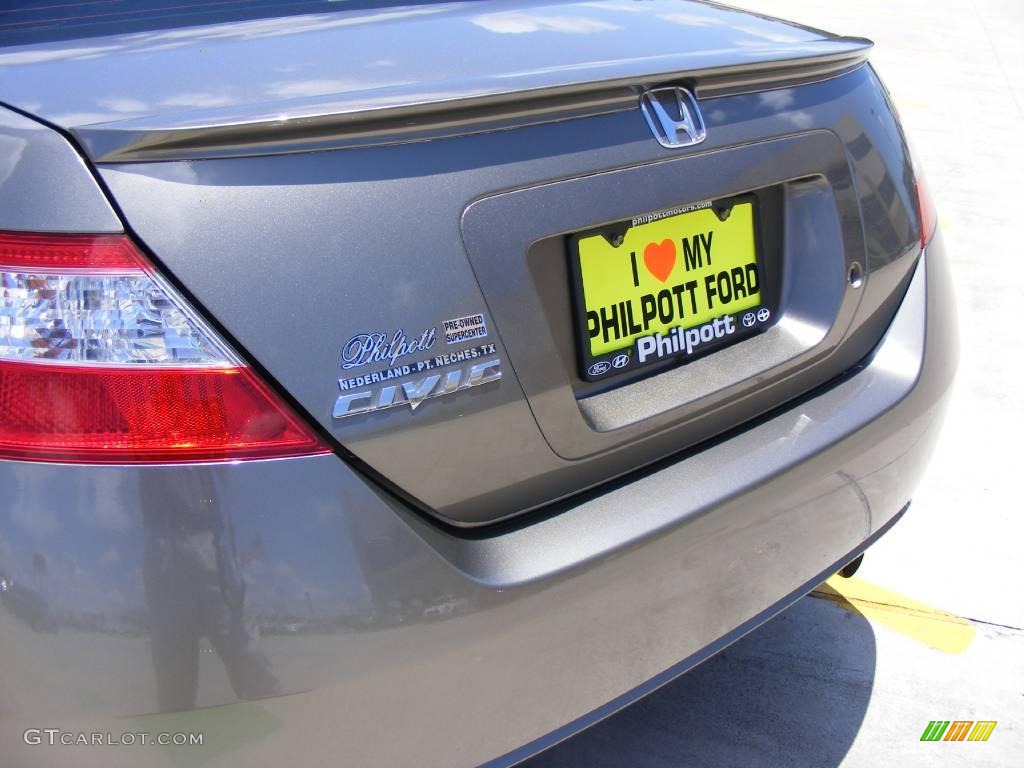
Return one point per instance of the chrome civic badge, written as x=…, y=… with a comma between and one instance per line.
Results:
x=674, y=117
x=375, y=390
x=413, y=393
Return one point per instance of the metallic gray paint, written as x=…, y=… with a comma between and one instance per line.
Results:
x=532, y=613
x=395, y=640
x=314, y=76
x=817, y=310
x=45, y=186
x=472, y=110
x=595, y=716
x=254, y=239
x=589, y=526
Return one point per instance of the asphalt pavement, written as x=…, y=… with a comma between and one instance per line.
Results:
x=932, y=626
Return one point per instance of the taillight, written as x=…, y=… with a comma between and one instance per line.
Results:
x=102, y=361
x=926, y=212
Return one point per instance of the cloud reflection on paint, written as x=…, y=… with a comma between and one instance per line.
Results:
x=517, y=23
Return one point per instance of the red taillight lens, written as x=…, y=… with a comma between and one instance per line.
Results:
x=926, y=212
x=97, y=415
x=69, y=253
x=102, y=361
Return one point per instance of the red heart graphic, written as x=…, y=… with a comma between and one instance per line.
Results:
x=660, y=259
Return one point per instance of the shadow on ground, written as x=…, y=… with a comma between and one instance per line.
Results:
x=792, y=693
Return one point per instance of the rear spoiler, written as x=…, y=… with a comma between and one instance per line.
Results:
x=431, y=110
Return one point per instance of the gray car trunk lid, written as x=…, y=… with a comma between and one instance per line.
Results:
x=295, y=252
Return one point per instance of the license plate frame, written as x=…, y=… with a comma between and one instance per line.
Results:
x=624, y=362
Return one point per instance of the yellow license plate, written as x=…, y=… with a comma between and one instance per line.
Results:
x=674, y=287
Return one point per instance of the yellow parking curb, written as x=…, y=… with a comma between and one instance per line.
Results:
x=931, y=626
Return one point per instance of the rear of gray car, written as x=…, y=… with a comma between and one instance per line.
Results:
x=327, y=432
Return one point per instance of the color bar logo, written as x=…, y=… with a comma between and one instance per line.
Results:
x=958, y=730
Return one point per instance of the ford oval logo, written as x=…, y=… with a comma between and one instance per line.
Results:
x=599, y=369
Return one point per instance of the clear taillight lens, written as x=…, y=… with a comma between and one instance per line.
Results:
x=102, y=361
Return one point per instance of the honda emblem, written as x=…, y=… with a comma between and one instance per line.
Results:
x=674, y=117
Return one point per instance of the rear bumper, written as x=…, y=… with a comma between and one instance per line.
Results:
x=396, y=643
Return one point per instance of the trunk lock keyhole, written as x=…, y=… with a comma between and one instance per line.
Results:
x=856, y=275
